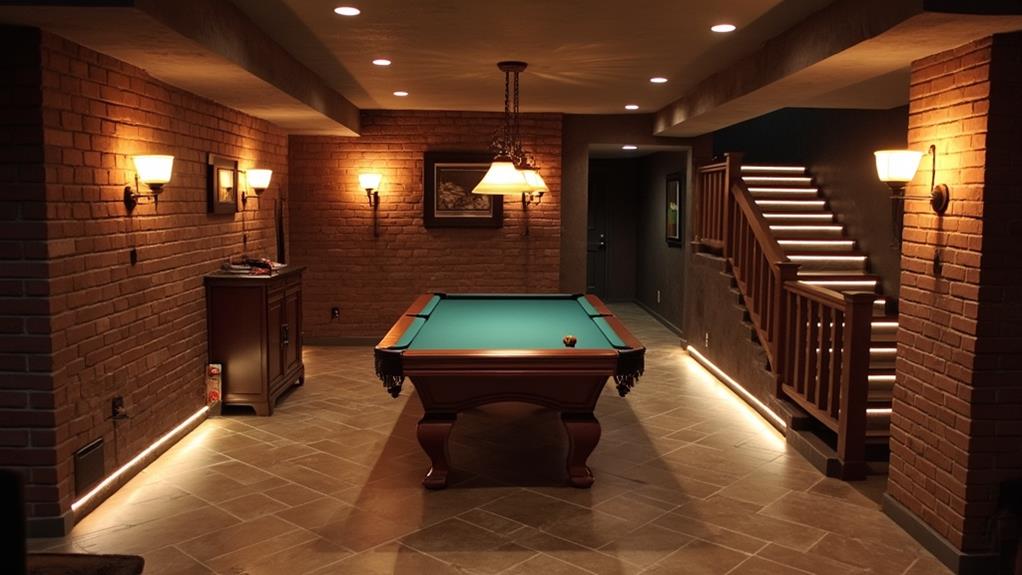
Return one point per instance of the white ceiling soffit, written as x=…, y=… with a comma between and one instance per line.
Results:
x=584, y=56
x=855, y=53
x=206, y=47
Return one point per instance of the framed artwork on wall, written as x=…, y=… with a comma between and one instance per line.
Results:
x=673, y=209
x=448, y=201
x=222, y=185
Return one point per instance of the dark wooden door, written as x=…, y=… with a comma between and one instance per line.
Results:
x=596, y=240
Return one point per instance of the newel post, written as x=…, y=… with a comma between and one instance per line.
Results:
x=851, y=437
x=732, y=173
x=784, y=272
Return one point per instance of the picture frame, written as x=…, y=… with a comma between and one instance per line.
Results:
x=673, y=209
x=222, y=185
x=448, y=202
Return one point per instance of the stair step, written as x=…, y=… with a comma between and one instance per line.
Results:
x=847, y=284
x=793, y=218
x=836, y=261
x=817, y=245
x=773, y=168
x=807, y=231
x=785, y=180
x=789, y=206
x=784, y=193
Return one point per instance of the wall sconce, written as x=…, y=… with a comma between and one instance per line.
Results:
x=940, y=194
x=371, y=184
x=534, y=197
x=258, y=179
x=154, y=172
x=896, y=168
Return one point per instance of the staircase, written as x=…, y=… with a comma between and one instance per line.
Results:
x=811, y=235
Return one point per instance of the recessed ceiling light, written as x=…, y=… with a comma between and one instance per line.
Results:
x=723, y=28
x=631, y=107
x=658, y=80
x=347, y=11
x=401, y=93
x=381, y=62
x=629, y=147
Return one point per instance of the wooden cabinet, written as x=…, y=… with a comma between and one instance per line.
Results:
x=255, y=332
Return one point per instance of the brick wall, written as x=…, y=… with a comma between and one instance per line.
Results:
x=956, y=431
x=116, y=329
x=372, y=279
x=24, y=327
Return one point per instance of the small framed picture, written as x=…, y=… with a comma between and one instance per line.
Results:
x=448, y=201
x=673, y=208
x=222, y=185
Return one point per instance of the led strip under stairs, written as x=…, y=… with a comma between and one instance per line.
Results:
x=808, y=231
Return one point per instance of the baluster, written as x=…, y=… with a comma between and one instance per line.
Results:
x=836, y=361
x=822, y=377
x=801, y=345
x=812, y=340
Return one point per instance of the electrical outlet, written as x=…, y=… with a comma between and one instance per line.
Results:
x=117, y=409
x=658, y=296
x=335, y=313
x=706, y=339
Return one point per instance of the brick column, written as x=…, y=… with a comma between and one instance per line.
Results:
x=956, y=426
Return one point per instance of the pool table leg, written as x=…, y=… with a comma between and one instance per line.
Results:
x=583, y=435
x=432, y=433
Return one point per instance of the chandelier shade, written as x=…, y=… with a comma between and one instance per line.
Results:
x=511, y=172
x=502, y=179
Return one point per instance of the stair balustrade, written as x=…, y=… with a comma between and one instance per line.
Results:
x=816, y=340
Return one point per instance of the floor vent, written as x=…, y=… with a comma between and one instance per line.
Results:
x=89, y=466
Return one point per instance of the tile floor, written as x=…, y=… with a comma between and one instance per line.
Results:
x=688, y=481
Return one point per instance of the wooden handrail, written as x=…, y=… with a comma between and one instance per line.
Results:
x=760, y=227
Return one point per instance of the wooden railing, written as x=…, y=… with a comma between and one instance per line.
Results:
x=824, y=364
x=711, y=202
x=816, y=340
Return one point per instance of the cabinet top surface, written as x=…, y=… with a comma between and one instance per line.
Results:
x=283, y=272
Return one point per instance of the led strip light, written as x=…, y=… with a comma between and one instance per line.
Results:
x=773, y=169
x=138, y=459
x=736, y=387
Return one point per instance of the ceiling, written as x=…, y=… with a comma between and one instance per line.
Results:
x=310, y=71
x=585, y=56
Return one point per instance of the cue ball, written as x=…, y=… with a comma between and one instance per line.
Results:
x=570, y=341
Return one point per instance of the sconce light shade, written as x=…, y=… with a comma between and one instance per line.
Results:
x=370, y=181
x=535, y=181
x=153, y=171
x=897, y=167
x=503, y=179
x=258, y=179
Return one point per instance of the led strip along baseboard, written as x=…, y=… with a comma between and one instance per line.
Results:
x=736, y=387
x=112, y=482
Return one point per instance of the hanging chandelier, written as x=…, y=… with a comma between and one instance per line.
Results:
x=512, y=171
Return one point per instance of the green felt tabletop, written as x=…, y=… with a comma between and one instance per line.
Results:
x=474, y=322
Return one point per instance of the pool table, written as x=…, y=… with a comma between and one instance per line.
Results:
x=465, y=350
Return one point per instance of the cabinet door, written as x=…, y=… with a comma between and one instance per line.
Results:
x=292, y=319
x=275, y=336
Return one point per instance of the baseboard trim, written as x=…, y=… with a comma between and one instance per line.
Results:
x=663, y=321
x=957, y=561
x=348, y=341
x=50, y=526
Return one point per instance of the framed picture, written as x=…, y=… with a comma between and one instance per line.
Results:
x=448, y=201
x=222, y=185
x=673, y=207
